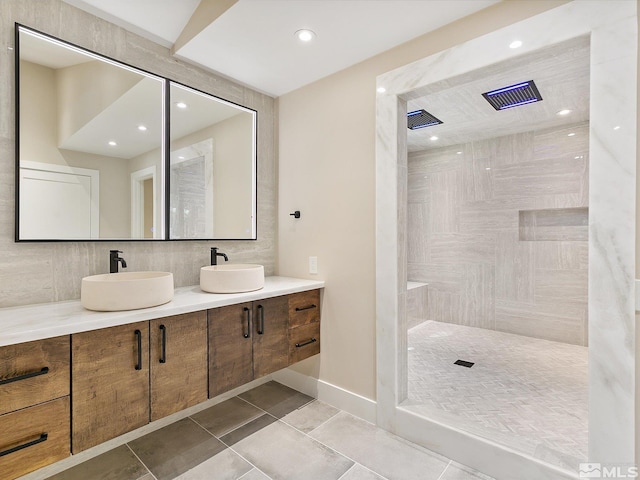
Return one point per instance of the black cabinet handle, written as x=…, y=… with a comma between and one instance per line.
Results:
x=247, y=332
x=311, y=340
x=42, y=438
x=308, y=307
x=163, y=357
x=25, y=376
x=261, y=323
x=139, y=337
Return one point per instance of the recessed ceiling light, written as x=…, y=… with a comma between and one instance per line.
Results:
x=564, y=111
x=578, y=157
x=142, y=128
x=617, y=127
x=433, y=139
x=381, y=89
x=9, y=48
x=515, y=44
x=487, y=168
x=305, y=35
x=459, y=153
x=180, y=158
x=181, y=105
x=112, y=143
x=571, y=134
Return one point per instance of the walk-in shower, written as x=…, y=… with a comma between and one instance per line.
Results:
x=510, y=275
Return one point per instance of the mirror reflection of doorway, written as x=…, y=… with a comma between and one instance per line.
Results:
x=58, y=202
x=143, y=201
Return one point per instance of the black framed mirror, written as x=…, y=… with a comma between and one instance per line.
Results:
x=99, y=146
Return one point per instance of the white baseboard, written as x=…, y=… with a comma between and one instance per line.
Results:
x=350, y=402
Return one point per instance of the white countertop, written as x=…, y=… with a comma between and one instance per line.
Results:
x=46, y=320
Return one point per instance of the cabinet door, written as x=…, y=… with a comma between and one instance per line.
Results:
x=270, y=341
x=230, y=347
x=34, y=437
x=178, y=363
x=34, y=372
x=110, y=383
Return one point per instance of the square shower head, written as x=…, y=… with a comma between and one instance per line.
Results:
x=420, y=119
x=513, y=96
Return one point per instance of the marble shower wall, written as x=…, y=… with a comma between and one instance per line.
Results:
x=498, y=229
x=46, y=272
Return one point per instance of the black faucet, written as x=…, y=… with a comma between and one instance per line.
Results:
x=114, y=259
x=215, y=255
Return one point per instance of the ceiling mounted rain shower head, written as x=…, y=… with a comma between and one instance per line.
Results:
x=420, y=119
x=513, y=96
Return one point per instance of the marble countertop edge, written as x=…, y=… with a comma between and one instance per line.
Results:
x=46, y=320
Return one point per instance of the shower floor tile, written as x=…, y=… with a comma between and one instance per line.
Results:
x=527, y=393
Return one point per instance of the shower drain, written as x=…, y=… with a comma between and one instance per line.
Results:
x=463, y=363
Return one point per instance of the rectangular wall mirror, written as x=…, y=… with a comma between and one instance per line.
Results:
x=91, y=161
x=212, y=174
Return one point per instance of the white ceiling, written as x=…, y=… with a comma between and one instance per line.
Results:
x=253, y=41
x=560, y=72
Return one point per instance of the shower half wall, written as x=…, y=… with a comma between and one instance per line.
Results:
x=498, y=230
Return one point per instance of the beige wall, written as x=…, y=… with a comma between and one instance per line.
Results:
x=327, y=171
x=46, y=272
x=86, y=90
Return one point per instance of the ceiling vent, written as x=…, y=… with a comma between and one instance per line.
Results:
x=420, y=119
x=513, y=95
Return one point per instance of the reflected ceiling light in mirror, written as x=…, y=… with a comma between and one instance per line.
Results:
x=563, y=112
x=617, y=127
x=515, y=44
x=305, y=35
x=433, y=139
x=142, y=128
x=458, y=153
x=571, y=134
x=112, y=143
x=181, y=105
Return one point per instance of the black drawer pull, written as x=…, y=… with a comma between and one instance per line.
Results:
x=261, y=322
x=25, y=376
x=163, y=357
x=308, y=307
x=40, y=439
x=247, y=332
x=139, y=337
x=298, y=345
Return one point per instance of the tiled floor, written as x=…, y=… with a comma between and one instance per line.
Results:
x=523, y=392
x=270, y=432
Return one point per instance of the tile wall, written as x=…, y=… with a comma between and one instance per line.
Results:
x=498, y=229
x=46, y=272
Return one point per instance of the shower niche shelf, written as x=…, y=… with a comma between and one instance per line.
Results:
x=554, y=224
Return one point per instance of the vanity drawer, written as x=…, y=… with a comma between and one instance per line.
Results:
x=34, y=372
x=304, y=342
x=304, y=308
x=34, y=437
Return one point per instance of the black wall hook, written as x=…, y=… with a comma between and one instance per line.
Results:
x=295, y=214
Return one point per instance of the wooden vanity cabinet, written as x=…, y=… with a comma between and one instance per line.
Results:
x=34, y=405
x=178, y=363
x=246, y=341
x=110, y=386
x=304, y=325
x=126, y=376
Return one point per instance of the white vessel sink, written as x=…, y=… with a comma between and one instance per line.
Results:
x=113, y=292
x=231, y=278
